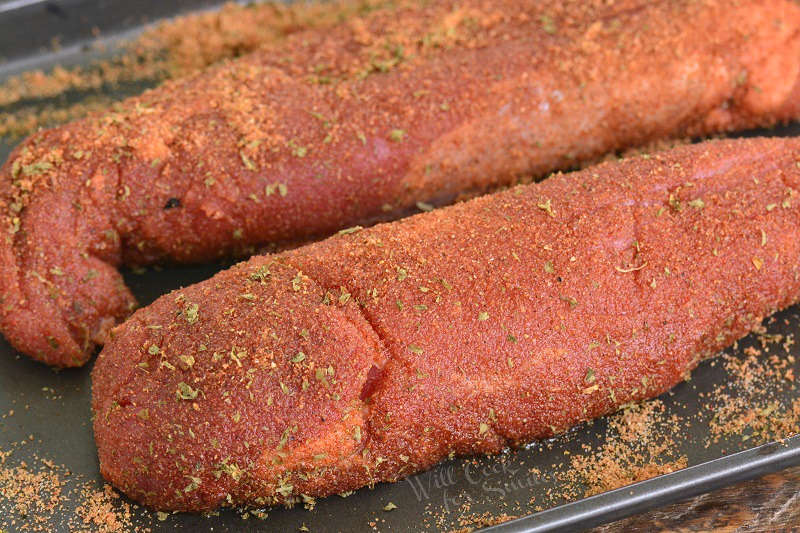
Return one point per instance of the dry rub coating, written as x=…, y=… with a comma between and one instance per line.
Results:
x=407, y=104
x=376, y=353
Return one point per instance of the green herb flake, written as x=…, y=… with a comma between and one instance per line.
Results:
x=185, y=392
x=231, y=469
x=191, y=313
x=297, y=282
x=548, y=24
x=348, y=231
x=422, y=206
x=285, y=489
x=697, y=203
x=297, y=150
x=153, y=350
x=281, y=188
x=262, y=273
x=548, y=267
x=397, y=135
x=413, y=348
x=344, y=297
x=40, y=167
x=298, y=358
x=547, y=207
x=483, y=316
x=248, y=162
x=248, y=296
x=572, y=301
x=389, y=507
x=483, y=428
x=402, y=273
x=590, y=377
x=193, y=485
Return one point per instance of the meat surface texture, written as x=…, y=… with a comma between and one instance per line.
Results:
x=357, y=124
x=376, y=353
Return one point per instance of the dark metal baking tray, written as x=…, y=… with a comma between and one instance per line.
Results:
x=52, y=414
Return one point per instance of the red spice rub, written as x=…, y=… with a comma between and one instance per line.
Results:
x=409, y=103
x=374, y=354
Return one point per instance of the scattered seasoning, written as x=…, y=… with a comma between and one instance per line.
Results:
x=413, y=348
x=483, y=316
x=397, y=135
x=758, y=263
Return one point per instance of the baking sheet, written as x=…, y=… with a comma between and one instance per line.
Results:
x=51, y=410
